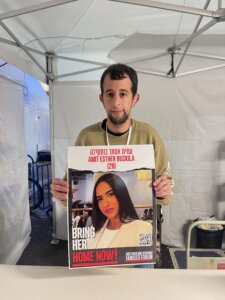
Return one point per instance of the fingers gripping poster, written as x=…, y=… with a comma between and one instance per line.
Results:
x=111, y=206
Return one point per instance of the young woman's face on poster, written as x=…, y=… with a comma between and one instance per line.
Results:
x=107, y=201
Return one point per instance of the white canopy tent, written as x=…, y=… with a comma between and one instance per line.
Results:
x=69, y=43
x=92, y=32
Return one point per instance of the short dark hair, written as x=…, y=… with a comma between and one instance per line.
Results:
x=127, y=211
x=118, y=72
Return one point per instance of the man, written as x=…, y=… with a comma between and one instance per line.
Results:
x=119, y=95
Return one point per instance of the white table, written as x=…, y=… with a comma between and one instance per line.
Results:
x=60, y=283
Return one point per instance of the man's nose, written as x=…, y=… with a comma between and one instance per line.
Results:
x=116, y=99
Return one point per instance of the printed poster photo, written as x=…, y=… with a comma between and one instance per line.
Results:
x=111, y=214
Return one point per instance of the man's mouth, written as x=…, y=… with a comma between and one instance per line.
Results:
x=117, y=112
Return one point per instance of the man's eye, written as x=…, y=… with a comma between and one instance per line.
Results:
x=122, y=94
x=109, y=95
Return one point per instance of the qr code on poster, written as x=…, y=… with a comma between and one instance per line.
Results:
x=145, y=239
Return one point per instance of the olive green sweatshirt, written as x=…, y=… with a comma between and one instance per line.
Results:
x=141, y=134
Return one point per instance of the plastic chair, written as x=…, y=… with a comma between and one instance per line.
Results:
x=204, y=258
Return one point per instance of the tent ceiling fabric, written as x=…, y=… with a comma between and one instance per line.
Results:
x=103, y=31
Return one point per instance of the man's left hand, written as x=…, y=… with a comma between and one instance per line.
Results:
x=162, y=187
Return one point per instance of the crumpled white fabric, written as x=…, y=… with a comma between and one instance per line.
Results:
x=14, y=224
x=14, y=215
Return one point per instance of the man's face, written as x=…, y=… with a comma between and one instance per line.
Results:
x=117, y=99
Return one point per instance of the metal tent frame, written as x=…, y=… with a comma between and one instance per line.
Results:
x=216, y=16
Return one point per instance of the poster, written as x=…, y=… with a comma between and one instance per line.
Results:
x=111, y=206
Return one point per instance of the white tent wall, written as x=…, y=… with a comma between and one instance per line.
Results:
x=36, y=116
x=75, y=105
x=24, y=128
x=36, y=109
x=37, y=130
x=14, y=210
x=189, y=113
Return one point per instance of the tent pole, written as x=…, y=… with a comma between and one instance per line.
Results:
x=49, y=81
x=197, y=33
x=191, y=38
x=80, y=60
x=206, y=56
x=173, y=7
x=150, y=72
x=81, y=72
x=202, y=70
x=12, y=43
x=49, y=68
x=22, y=47
x=33, y=8
x=150, y=57
x=54, y=240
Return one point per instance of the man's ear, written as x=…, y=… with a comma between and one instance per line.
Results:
x=135, y=99
x=101, y=98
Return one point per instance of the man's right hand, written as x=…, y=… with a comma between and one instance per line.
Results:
x=59, y=188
